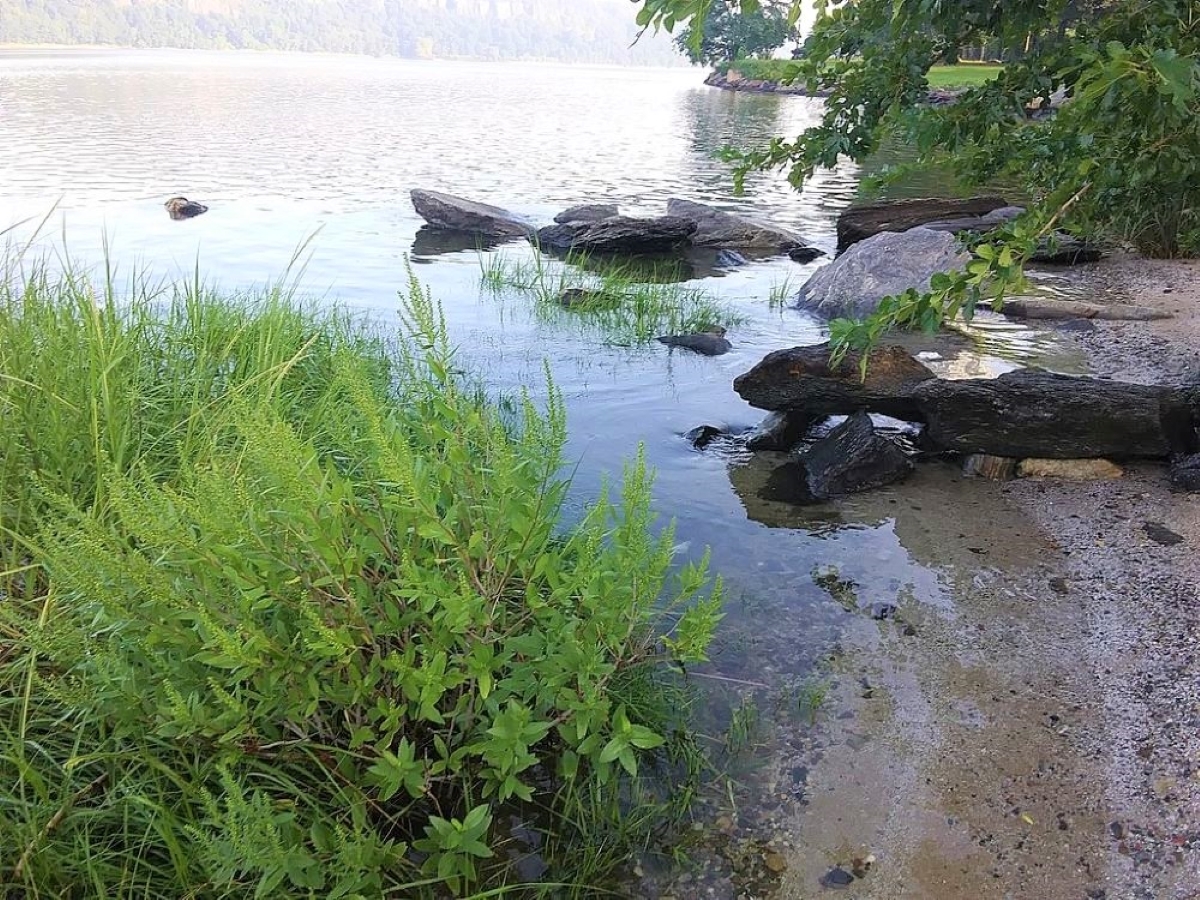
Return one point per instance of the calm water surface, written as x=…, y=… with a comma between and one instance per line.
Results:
x=287, y=148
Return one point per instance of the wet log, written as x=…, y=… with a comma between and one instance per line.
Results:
x=1022, y=414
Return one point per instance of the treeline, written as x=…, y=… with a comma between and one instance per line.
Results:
x=579, y=31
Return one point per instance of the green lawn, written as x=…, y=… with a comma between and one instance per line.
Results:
x=962, y=75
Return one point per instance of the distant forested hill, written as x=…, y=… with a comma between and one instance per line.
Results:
x=574, y=30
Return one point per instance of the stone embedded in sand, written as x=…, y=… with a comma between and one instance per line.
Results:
x=1070, y=469
x=993, y=468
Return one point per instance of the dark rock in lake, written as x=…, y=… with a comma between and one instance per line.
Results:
x=459, y=214
x=788, y=483
x=706, y=343
x=729, y=259
x=884, y=265
x=801, y=379
x=865, y=220
x=703, y=435
x=1185, y=473
x=588, y=212
x=1161, y=534
x=618, y=234
x=182, y=208
x=717, y=228
x=854, y=458
x=805, y=254
x=780, y=431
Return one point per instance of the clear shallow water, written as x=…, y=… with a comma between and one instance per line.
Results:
x=285, y=149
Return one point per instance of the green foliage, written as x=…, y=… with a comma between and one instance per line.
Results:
x=728, y=32
x=787, y=71
x=288, y=611
x=625, y=302
x=1120, y=159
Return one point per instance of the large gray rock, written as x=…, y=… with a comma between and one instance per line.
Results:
x=588, y=212
x=852, y=458
x=716, y=228
x=881, y=266
x=867, y=219
x=459, y=214
x=618, y=234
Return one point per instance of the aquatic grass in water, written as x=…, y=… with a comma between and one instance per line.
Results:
x=620, y=300
x=287, y=611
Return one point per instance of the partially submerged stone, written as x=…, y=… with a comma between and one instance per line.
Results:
x=706, y=343
x=853, y=458
x=717, y=228
x=459, y=214
x=617, y=234
x=588, y=212
x=779, y=431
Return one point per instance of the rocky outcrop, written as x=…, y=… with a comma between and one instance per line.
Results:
x=717, y=228
x=707, y=343
x=459, y=214
x=803, y=380
x=868, y=219
x=618, y=234
x=588, y=212
x=884, y=265
x=1024, y=414
x=853, y=458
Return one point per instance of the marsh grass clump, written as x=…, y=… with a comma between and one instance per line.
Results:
x=287, y=610
x=627, y=302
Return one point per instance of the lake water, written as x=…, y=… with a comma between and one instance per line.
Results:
x=285, y=149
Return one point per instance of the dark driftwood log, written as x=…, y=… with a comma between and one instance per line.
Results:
x=1028, y=413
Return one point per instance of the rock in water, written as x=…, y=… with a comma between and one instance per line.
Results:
x=459, y=214
x=854, y=458
x=1185, y=473
x=588, y=212
x=993, y=468
x=703, y=435
x=779, y=431
x=1070, y=469
x=183, y=208
x=716, y=228
x=884, y=265
x=868, y=219
x=706, y=343
x=805, y=254
x=802, y=379
x=618, y=234
x=729, y=259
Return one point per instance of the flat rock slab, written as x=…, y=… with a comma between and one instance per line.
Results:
x=618, y=234
x=717, y=228
x=1042, y=308
x=588, y=212
x=459, y=214
x=867, y=219
x=881, y=266
x=802, y=379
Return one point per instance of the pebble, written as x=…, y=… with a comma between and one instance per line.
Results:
x=837, y=878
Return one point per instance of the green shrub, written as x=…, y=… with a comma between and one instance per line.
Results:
x=287, y=612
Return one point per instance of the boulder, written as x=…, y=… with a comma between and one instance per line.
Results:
x=458, y=214
x=706, y=343
x=1045, y=308
x=1185, y=473
x=779, y=431
x=867, y=219
x=618, y=234
x=588, y=212
x=1070, y=469
x=881, y=266
x=802, y=379
x=1033, y=413
x=993, y=468
x=854, y=458
x=716, y=228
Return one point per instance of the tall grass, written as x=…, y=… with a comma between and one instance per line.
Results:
x=286, y=611
x=624, y=302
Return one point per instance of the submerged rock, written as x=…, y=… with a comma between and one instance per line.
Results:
x=853, y=458
x=717, y=228
x=703, y=435
x=706, y=343
x=805, y=254
x=459, y=214
x=729, y=259
x=884, y=265
x=868, y=219
x=618, y=234
x=588, y=212
x=780, y=431
x=183, y=208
